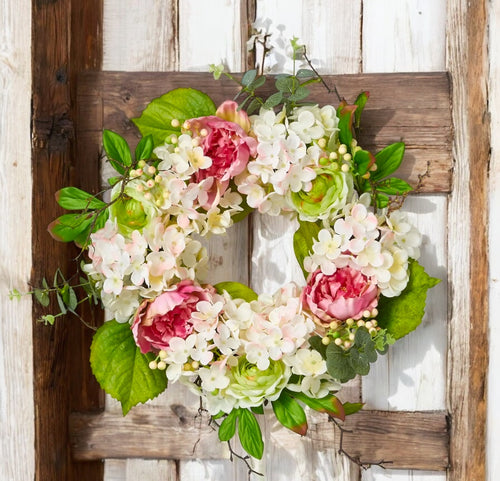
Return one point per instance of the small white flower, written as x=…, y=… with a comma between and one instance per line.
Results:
x=213, y=378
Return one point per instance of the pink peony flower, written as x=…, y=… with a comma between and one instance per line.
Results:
x=343, y=295
x=158, y=320
x=224, y=138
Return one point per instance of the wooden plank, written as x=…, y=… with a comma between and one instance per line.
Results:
x=141, y=35
x=403, y=35
x=423, y=121
x=493, y=420
x=153, y=46
x=412, y=376
x=17, y=429
x=468, y=223
x=177, y=39
x=273, y=260
x=416, y=440
x=66, y=39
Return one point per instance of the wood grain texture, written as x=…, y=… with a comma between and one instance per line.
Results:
x=493, y=420
x=66, y=39
x=403, y=35
x=468, y=353
x=402, y=439
x=177, y=38
x=141, y=35
x=414, y=108
x=17, y=429
x=409, y=35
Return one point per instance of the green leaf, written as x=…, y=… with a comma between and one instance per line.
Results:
x=338, y=363
x=68, y=227
x=117, y=150
x=346, y=115
x=144, y=148
x=290, y=413
x=305, y=73
x=329, y=404
x=250, y=434
x=258, y=82
x=316, y=344
x=285, y=84
x=300, y=93
x=258, y=409
x=303, y=240
x=393, y=186
x=248, y=77
x=60, y=303
x=253, y=106
x=228, y=426
x=273, y=100
x=180, y=104
x=360, y=103
x=401, y=315
x=351, y=408
x=48, y=319
x=71, y=198
x=121, y=369
x=362, y=161
x=42, y=297
x=359, y=362
x=113, y=180
x=237, y=291
x=388, y=160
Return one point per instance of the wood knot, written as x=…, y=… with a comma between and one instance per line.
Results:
x=52, y=133
x=181, y=412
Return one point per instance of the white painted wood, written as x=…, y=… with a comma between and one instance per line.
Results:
x=410, y=35
x=140, y=35
x=329, y=29
x=273, y=259
x=493, y=434
x=403, y=35
x=184, y=39
x=17, y=437
x=209, y=32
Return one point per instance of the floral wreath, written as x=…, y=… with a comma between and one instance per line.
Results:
x=199, y=169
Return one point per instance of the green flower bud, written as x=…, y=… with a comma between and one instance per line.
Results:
x=132, y=211
x=251, y=386
x=330, y=192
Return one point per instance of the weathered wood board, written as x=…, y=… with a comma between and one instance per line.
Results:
x=372, y=436
x=110, y=99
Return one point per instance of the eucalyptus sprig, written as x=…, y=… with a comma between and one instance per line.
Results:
x=291, y=89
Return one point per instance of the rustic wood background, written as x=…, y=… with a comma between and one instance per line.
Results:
x=345, y=37
x=413, y=375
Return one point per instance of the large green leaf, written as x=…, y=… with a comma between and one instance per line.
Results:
x=401, y=315
x=180, y=104
x=290, y=413
x=121, y=369
x=250, y=434
x=236, y=290
x=303, y=240
x=68, y=227
x=72, y=198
